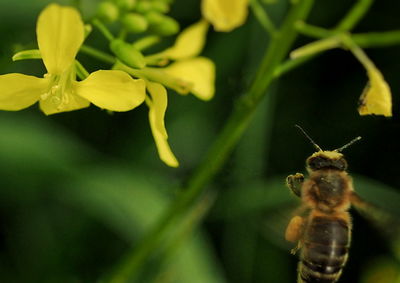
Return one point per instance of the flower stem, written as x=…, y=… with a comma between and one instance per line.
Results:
x=358, y=52
x=351, y=19
x=313, y=31
x=262, y=17
x=377, y=39
x=81, y=72
x=222, y=147
x=354, y=16
x=102, y=56
x=316, y=47
x=103, y=29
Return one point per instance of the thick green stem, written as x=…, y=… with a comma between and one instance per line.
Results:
x=223, y=146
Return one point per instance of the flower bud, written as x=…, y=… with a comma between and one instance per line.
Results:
x=160, y=6
x=143, y=7
x=88, y=29
x=134, y=23
x=128, y=54
x=107, y=12
x=126, y=5
x=161, y=24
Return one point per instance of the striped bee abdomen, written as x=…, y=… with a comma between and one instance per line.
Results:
x=324, y=252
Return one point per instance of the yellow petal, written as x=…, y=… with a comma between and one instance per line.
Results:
x=113, y=90
x=60, y=33
x=189, y=43
x=18, y=91
x=225, y=15
x=198, y=71
x=159, y=102
x=158, y=106
x=71, y=102
x=376, y=98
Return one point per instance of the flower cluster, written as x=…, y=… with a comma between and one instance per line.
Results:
x=134, y=78
x=60, y=34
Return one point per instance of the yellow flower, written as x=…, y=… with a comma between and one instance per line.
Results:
x=60, y=33
x=376, y=98
x=187, y=74
x=225, y=15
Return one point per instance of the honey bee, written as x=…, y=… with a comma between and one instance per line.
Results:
x=322, y=226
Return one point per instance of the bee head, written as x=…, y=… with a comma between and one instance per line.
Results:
x=326, y=160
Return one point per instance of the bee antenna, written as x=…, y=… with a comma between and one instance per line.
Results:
x=348, y=144
x=308, y=137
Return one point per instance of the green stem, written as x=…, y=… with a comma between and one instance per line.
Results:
x=316, y=47
x=291, y=64
x=222, y=147
x=81, y=72
x=103, y=29
x=262, y=17
x=186, y=227
x=313, y=31
x=358, y=53
x=95, y=53
x=354, y=16
x=377, y=39
x=363, y=40
x=347, y=23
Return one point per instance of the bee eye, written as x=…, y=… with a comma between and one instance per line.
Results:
x=316, y=163
x=322, y=162
x=341, y=164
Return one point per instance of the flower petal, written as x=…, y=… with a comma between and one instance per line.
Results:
x=159, y=100
x=158, y=106
x=52, y=105
x=18, y=91
x=225, y=15
x=376, y=98
x=113, y=90
x=189, y=42
x=60, y=33
x=199, y=71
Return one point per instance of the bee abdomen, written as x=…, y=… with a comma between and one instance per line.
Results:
x=325, y=249
x=310, y=272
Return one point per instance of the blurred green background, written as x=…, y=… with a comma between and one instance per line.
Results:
x=77, y=190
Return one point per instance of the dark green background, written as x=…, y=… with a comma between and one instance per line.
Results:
x=78, y=189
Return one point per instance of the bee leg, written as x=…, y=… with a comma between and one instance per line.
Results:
x=294, y=230
x=296, y=248
x=294, y=182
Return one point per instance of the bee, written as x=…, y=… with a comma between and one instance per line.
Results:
x=322, y=226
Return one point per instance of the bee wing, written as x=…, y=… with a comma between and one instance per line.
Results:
x=277, y=221
x=386, y=221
